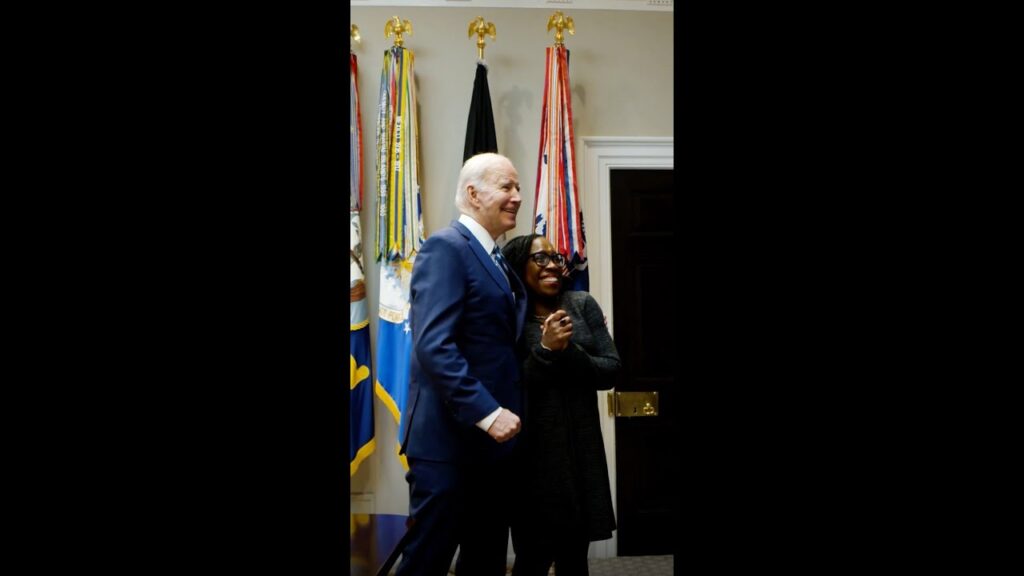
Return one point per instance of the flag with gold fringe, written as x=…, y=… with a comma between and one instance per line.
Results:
x=361, y=432
x=399, y=228
x=559, y=215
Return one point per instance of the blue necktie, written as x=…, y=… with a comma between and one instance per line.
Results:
x=502, y=264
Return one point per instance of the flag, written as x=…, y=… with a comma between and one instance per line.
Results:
x=361, y=424
x=355, y=150
x=399, y=228
x=480, y=136
x=559, y=215
x=361, y=441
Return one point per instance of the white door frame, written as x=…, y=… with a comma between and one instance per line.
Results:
x=600, y=155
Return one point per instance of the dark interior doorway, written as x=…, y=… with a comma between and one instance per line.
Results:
x=644, y=300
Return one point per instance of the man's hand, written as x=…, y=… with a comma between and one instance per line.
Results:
x=505, y=426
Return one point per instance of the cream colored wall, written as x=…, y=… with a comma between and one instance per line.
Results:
x=620, y=70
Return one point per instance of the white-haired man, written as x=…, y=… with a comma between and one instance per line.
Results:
x=467, y=311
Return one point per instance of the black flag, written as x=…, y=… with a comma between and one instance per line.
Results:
x=480, y=135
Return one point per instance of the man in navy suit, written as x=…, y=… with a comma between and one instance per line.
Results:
x=467, y=310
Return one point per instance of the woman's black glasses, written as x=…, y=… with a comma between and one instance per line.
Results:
x=542, y=259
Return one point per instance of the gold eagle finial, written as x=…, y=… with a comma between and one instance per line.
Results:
x=481, y=29
x=354, y=33
x=397, y=27
x=560, y=22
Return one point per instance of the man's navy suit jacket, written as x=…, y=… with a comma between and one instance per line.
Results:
x=465, y=322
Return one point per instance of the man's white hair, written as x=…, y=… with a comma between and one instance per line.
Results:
x=475, y=172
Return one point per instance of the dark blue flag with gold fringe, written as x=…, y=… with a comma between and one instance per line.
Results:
x=361, y=433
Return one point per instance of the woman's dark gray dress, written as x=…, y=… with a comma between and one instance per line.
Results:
x=565, y=475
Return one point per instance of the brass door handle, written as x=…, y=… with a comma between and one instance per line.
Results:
x=632, y=404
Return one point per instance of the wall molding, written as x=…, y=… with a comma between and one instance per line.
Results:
x=634, y=5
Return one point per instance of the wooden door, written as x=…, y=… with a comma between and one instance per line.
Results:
x=644, y=300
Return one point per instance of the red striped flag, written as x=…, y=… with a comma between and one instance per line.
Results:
x=559, y=215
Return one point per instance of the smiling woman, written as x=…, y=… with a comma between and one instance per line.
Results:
x=565, y=501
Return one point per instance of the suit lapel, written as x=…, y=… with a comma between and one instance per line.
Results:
x=488, y=264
